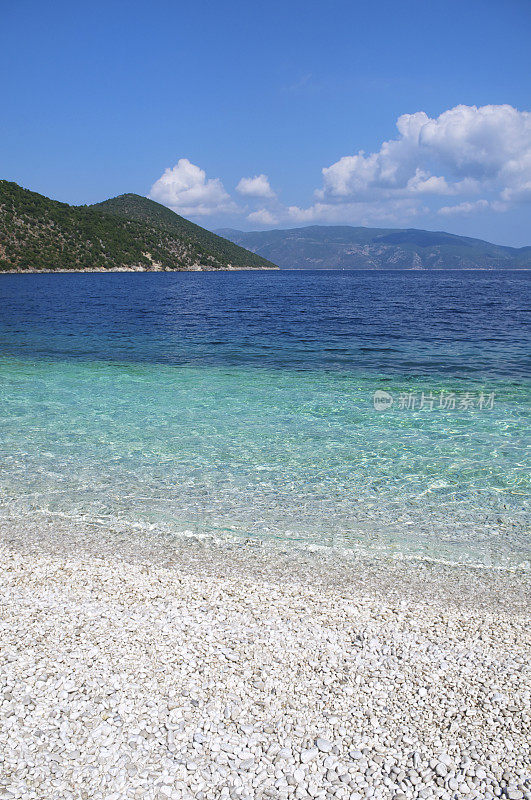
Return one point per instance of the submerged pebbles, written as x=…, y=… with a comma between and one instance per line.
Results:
x=128, y=679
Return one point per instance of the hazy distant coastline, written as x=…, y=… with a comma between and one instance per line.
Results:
x=345, y=247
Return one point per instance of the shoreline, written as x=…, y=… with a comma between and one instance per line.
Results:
x=422, y=579
x=264, y=269
x=148, y=669
x=134, y=269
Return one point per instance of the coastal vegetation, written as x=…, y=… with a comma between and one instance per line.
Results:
x=129, y=232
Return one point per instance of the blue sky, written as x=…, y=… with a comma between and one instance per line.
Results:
x=185, y=100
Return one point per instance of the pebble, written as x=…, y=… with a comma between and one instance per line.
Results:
x=134, y=679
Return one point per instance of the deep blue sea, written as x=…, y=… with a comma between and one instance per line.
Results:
x=240, y=405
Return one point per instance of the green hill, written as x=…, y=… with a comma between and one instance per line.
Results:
x=129, y=232
x=344, y=247
x=141, y=209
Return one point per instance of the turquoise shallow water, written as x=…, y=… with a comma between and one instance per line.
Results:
x=206, y=441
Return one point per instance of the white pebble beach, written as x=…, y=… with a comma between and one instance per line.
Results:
x=132, y=669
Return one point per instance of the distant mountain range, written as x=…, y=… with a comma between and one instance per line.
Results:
x=322, y=246
x=128, y=232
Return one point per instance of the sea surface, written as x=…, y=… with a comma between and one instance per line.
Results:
x=240, y=405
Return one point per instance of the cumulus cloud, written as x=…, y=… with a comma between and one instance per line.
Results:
x=262, y=217
x=479, y=154
x=256, y=187
x=467, y=160
x=186, y=189
x=424, y=183
x=465, y=151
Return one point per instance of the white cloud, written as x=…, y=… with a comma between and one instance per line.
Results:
x=255, y=187
x=186, y=189
x=424, y=183
x=262, y=217
x=392, y=212
x=468, y=207
x=518, y=189
x=467, y=160
x=480, y=154
x=465, y=151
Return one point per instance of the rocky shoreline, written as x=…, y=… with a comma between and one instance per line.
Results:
x=133, y=668
x=194, y=268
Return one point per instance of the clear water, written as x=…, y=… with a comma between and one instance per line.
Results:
x=241, y=405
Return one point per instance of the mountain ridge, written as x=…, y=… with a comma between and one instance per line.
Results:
x=38, y=234
x=347, y=247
